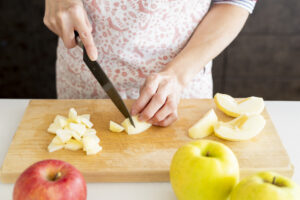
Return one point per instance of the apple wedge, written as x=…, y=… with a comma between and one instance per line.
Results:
x=242, y=128
x=205, y=126
x=139, y=126
x=234, y=108
x=114, y=127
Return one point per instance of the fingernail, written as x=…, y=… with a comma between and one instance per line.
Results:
x=94, y=56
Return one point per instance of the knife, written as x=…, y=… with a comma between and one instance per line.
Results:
x=104, y=81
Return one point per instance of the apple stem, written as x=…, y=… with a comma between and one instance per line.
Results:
x=207, y=154
x=274, y=179
x=57, y=176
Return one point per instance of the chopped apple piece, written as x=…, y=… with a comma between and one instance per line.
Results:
x=205, y=126
x=57, y=140
x=85, y=121
x=242, y=128
x=114, y=127
x=73, y=114
x=86, y=116
x=139, y=126
x=79, y=128
x=64, y=135
x=233, y=108
x=89, y=131
x=76, y=135
x=61, y=121
x=73, y=145
x=54, y=147
x=53, y=128
x=93, y=151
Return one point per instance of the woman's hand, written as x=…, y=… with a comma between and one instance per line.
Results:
x=63, y=17
x=159, y=98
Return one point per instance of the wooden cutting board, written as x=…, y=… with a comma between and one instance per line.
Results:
x=137, y=158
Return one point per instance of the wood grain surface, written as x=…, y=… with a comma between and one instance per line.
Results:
x=137, y=158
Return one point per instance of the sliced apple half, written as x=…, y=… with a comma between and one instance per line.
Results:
x=114, y=127
x=242, y=128
x=205, y=126
x=139, y=126
x=234, y=108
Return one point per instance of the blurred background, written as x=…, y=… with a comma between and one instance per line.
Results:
x=262, y=61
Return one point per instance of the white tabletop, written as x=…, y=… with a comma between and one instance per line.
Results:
x=285, y=115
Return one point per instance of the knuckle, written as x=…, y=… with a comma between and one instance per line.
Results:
x=172, y=105
x=75, y=10
x=45, y=20
x=159, y=99
x=149, y=90
x=147, y=115
x=158, y=118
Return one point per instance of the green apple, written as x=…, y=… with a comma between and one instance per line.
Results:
x=266, y=186
x=204, y=170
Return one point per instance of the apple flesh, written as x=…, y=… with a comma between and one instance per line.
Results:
x=205, y=170
x=266, y=186
x=139, y=126
x=205, y=126
x=234, y=108
x=241, y=128
x=51, y=180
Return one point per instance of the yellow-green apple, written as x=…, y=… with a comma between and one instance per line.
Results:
x=266, y=186
x=51, y=180
x=204, y=170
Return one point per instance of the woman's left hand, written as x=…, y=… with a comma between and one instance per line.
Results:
x=159, y=99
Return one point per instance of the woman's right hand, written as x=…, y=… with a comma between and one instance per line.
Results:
x=63, y=17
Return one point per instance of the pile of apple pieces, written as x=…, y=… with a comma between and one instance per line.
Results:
x=74, y=133
x=127, y=126
x=247, y=124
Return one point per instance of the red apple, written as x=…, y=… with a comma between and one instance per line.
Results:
x=51, y=180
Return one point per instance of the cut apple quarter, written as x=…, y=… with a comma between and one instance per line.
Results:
x=242, y=128
x=231, y=107
x=205, y=126
x=139, y=126
x=74, y=133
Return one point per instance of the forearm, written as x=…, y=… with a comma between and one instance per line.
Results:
x=216, y=31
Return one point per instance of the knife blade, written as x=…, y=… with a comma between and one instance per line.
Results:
x=104, y=81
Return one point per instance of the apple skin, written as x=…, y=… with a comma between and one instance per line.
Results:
x=260, y=186
x=35, y=182
x=196, y=176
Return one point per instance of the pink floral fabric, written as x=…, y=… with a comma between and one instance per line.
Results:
x=134, y=38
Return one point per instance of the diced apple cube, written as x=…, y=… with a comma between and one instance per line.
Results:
x=57, y=140
x=72, y=114
x=64, y=135
x=53, y=128
x=86, y=122
x=89, y=131
x=94, y=150
x=76, y=135
x=86, y=116
x=61, y=121
x=79, y=128
x=73, y=145
x=54, y=147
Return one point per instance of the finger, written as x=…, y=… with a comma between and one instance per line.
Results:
x=87, y=21
x=157, y=102
x=51, y=25
x=85, y=34
x=169, y=107
x=168, y=121
x=149, y=89
x=67, y=33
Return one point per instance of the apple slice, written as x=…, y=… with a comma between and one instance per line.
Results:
x=242, y=128
x=139, y=126
x=72, y=114
x=114, y=127
x=73, y=145
x=205, y=126
x=57, y=140
x=233, y=108
x=85, y=122
x=61, y=121
x=64, y=135
x=53, y=128
x=90, y=144
x=79, y=128
x=94, y=150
